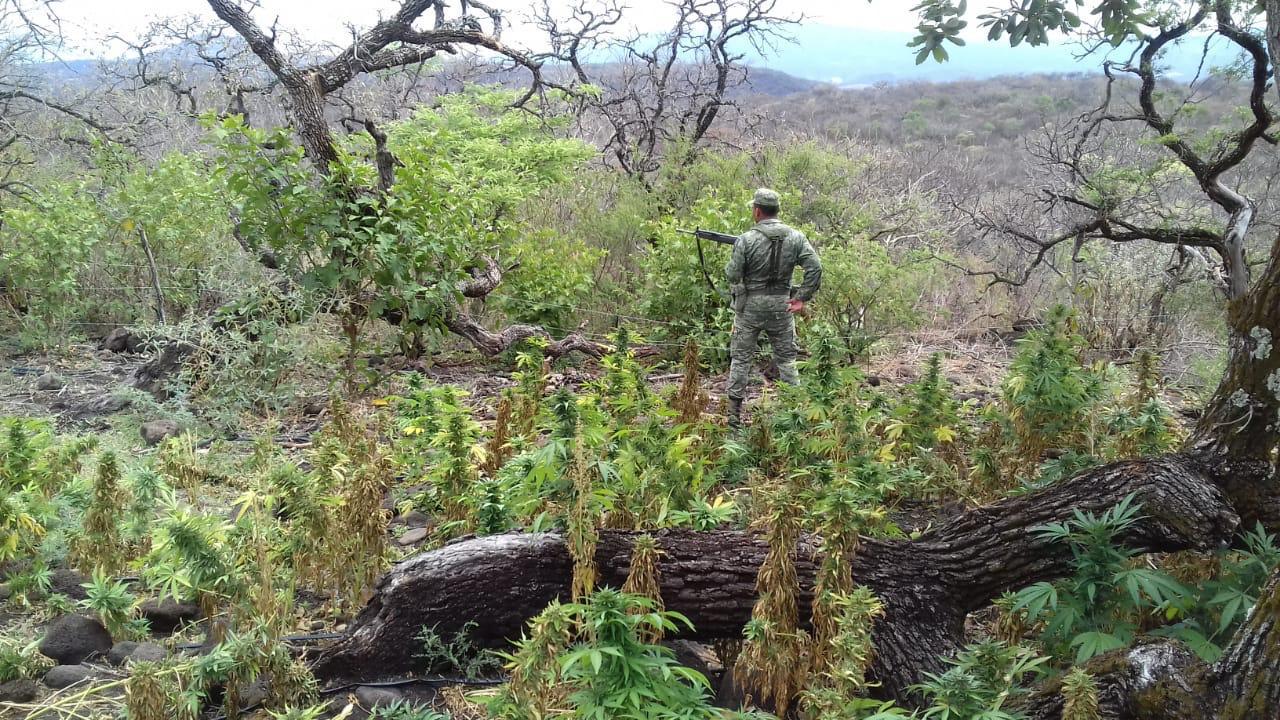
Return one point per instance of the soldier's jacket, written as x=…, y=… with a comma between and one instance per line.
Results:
x=764, y=258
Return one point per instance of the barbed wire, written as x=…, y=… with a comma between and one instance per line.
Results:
x=578, y=310
x=868, y=336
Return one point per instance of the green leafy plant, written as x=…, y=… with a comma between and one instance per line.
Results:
x=611, y=671
x=21, y=660
x=982, y=680
x=840, y=685
x=458, y=652
x=1143, y=423
x=115, y=605
x=535, y=688
x=100, y=544
x=1049, y=394
x=771, y=657
x=616, y=675
x=1080, y=696
x=405, y=710
x=1104, y=604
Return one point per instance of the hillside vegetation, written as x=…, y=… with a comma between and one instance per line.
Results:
x=365, y=383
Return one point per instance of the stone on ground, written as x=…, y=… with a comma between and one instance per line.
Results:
x=72, y=639
x=168, y=615
x=371, y=697
x=157, y=431
x=21, y=690
x=50, y=381
x=149, y=652
x=64, y=676
x=66, y=581
x=413, y=537
x=121, y=652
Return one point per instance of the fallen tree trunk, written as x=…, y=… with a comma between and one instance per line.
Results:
x=928, y=586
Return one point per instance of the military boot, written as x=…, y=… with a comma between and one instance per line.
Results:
x=734, y=412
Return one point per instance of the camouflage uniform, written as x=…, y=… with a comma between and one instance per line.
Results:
x=760, y=272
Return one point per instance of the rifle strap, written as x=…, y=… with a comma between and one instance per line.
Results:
x=775, y=261
x=702, y=264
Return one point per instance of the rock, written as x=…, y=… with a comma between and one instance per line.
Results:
x=254, y=694
x=121, y=652
x=153, y=377
x=149, y=652
x=371, y=697
x=413, y=537
x=73, y=639
x=121, y=340
x=50, y=381
x=129, y=651
x=21, y=690
x=106, y=404
x=5, y=592
x=67, y=675
x=66, y=581
x=168, y=615
x=157, y=431
x=414, y=519
x=312, y=408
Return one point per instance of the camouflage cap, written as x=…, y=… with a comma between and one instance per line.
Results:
x=766, y=198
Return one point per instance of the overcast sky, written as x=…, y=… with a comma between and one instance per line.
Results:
x=89, y=21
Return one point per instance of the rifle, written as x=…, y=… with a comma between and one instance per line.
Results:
x=722, y=238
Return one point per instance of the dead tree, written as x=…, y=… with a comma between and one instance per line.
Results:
x=651, y=95
x=1222, y=479
x=31, y=32
x=184, y=58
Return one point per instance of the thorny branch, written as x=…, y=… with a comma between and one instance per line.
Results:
x=658, y=92
x=1089, y=208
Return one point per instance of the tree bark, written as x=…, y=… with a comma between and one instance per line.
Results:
x=928, y=586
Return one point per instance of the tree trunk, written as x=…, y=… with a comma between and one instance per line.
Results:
x=928, y=586
x=1237, y=433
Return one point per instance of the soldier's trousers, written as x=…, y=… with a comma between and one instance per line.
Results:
x=762, y=314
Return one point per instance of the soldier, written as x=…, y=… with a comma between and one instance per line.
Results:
x=759, y=272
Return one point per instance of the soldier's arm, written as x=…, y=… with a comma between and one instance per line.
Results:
x=812, y=266
x=737, y=261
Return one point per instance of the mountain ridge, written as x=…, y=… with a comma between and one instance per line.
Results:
x=851, y=57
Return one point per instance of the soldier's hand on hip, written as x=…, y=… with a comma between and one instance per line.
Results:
x=795, y=306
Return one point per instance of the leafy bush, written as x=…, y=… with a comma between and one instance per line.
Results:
x=867, y=294
x=21, y=660
x=466, y=167
x=76, y=251
x=982, y=680
x=553, y=281
x=610, y=672
x=1104, y=604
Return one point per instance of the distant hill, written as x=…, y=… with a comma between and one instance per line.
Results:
x=773, y=83
x=859, y=58
x=825, y=55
